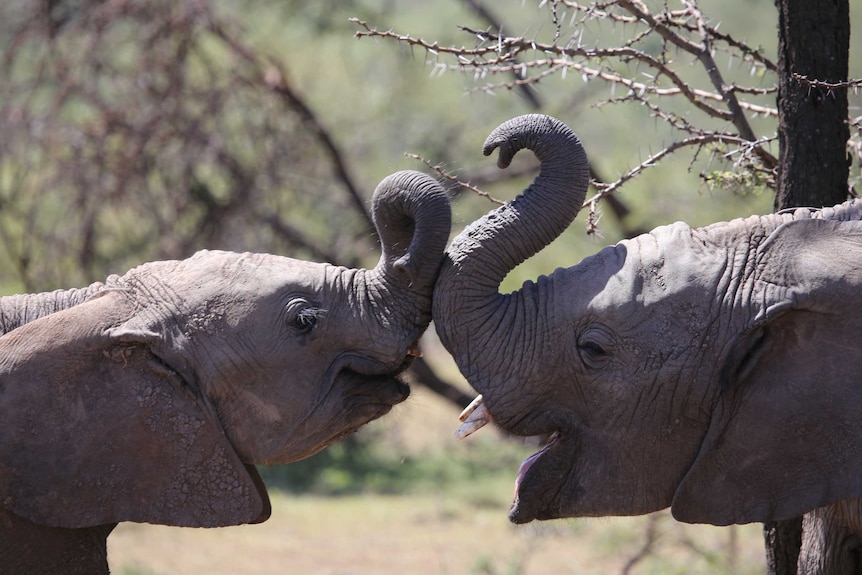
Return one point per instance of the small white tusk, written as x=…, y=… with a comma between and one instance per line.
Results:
x=471, y=408
x=479, y=418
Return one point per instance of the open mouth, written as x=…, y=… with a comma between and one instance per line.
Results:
x=528, y=463
x=477, y=415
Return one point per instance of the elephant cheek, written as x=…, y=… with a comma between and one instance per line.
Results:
x=254, y=427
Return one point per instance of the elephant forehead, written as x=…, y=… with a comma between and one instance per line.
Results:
x=221, y=286
x=254, y=274
x=669, y=261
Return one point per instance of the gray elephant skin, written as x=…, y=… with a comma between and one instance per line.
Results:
x=716, y=371
x=150, y=397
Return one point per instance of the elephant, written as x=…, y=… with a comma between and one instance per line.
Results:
x=712, y=370
x=150, y=397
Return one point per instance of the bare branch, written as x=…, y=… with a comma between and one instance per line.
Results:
x=850, y=84
x=525, y=90
x=530, y=62
x=650, y=539
x=273, y=75
x=454, y=180
x=695, y=141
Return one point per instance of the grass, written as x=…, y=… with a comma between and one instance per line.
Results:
x=440, y=533
x=451, y=520
x=434, y=533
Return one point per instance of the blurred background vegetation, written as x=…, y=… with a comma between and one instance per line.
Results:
x=141, y=130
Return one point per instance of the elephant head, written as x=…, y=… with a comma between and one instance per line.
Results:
x=715, y=370
x=151, y=397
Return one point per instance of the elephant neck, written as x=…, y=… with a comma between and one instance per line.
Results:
x=30, y=548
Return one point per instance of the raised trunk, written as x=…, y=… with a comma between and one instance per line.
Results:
x=467, y=304
x=17, y=310
x=413, y=219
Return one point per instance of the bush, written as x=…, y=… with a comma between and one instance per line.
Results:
x=363, y=464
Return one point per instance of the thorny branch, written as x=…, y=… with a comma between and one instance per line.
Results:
x=454, y=180
x=181, y=139
x=851, y=84
x=660, y=81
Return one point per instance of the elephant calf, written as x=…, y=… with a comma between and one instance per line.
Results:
x=715, y=370
x=150, y=397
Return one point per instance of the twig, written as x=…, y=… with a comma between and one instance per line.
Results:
x=454, y=179
x=493, y=21
x=650, y=538
x=272, y=74
x=850, y=84
x=693, y=141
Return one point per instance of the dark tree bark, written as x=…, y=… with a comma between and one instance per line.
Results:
x=783, y=540
x=814, y=43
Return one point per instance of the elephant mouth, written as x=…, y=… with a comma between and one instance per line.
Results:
x=524, y=505
x=353, y=399
x=374, y=391
x=366, y=365
x=370, y=386
x=528, y=463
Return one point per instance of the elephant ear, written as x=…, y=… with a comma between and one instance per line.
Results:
x=785, y=436
x=98, y=429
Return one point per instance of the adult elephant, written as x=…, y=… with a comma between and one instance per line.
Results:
x=716, y=370
x=150, y=397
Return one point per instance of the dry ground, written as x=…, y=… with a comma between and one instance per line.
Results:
x=433, y=534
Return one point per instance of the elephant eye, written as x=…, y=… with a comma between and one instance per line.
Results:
x=592, y=347
x=592, y=350
x=301, y=315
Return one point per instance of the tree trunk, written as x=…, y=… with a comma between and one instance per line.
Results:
x=814, y=42
x=783, y=541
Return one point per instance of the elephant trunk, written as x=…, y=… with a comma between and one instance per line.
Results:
x=466, y=299
x=412, y=215
x=413, y=219
x=17, y=310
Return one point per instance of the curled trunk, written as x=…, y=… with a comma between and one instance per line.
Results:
x=412, y=216
x=467, y=299
x=413, y=219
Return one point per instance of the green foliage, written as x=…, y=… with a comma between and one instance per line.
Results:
x=740, y=183
x=364, y=464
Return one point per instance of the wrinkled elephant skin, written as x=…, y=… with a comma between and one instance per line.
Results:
x=150, y=397
x=714, y=370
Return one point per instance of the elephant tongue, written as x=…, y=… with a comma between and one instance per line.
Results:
x=528, y=463
x=474, y=417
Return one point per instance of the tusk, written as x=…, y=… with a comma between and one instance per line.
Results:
x=414, y=351
x=471, y=408
x=474, y=417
